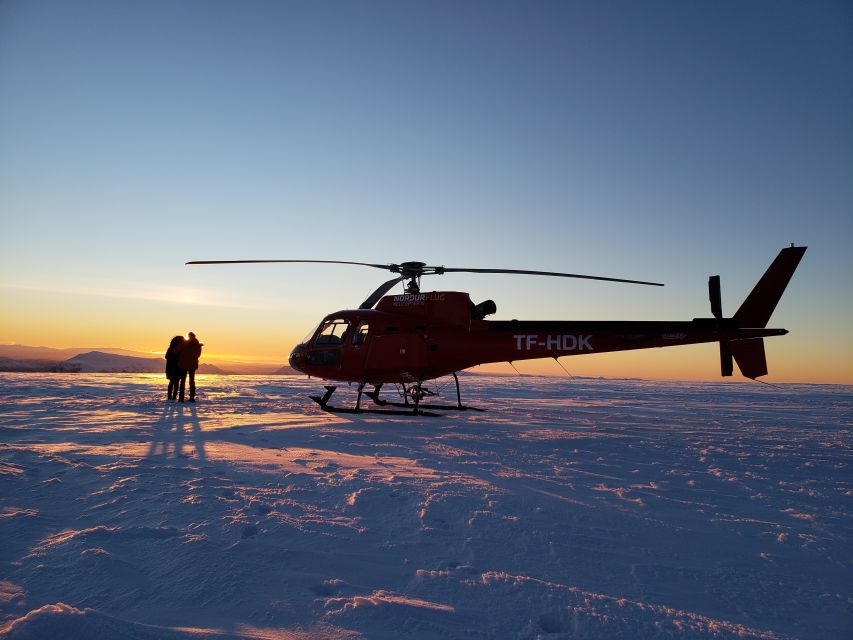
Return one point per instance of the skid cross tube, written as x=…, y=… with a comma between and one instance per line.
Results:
x=323, y=402
x=458, y=394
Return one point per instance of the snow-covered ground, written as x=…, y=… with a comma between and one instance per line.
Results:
x=570, y=509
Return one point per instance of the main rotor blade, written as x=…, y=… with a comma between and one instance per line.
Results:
x=548, y=273
x=381, y=291
x=417, y=269
x=386, y=267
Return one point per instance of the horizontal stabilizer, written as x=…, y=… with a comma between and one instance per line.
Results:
x=756, y=310
x=750, y=358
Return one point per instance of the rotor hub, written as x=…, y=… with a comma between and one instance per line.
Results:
x=412, y=272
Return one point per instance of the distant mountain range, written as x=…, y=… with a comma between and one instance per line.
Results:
x=100, y=362
x=22, y=358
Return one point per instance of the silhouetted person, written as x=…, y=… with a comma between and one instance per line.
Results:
x=188, y=362
x=173, y=371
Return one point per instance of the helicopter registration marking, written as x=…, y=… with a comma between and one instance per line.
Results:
x=559, y=343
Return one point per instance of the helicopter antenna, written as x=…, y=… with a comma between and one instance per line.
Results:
x=376, y=296
x=769, y=384
x=557, y=360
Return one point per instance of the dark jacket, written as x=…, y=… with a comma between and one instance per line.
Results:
x=189, y=355
x=172, y=368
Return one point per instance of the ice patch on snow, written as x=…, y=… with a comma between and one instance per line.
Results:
x=381, y=599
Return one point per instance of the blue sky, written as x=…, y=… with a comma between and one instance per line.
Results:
x=656, y=140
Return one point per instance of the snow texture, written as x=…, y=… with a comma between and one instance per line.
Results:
x=579, y=509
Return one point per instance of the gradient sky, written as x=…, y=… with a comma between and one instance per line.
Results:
x=664, y=141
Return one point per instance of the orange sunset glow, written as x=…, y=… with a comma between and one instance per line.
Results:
x=266, y=336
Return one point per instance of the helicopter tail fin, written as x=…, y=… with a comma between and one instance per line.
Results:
x=754, y=313
x=756, y=310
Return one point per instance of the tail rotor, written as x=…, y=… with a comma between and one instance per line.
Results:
x=754, y=313
x=726, y=362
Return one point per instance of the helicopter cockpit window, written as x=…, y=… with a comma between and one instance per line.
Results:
x=333, y=332
x=309, y=335
x=360, y=334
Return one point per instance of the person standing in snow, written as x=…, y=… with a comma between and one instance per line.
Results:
x=188, y=362
x=173, y=371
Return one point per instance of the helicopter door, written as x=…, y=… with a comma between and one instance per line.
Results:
x=359, y=336
x=398, y=354
x=359, y=345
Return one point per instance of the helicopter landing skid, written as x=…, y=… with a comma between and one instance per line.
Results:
x=374, y=396
x=417, y=393
x=437, y=407
x=412, y=410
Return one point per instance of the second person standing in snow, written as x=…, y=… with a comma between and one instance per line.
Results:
x=188, y=363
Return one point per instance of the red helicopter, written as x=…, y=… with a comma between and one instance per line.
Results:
x=413, y=337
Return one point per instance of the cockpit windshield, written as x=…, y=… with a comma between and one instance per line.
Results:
x=332, y=332
x=310, y=334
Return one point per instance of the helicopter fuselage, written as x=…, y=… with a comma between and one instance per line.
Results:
x=415, y=337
